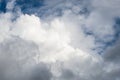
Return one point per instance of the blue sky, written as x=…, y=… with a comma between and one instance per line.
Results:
x=59, y=40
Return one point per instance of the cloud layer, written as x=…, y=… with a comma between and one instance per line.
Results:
x=59, y=40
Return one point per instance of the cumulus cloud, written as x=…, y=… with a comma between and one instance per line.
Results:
x=59, y=47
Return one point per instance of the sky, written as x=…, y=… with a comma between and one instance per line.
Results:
x=59, y=39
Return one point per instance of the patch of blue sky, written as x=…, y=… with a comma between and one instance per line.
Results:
x=43, y=8
x=29, y=6
x=3, y=6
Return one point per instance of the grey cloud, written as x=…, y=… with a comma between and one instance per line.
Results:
x=16, y=61
x=67, y=75
x=40, y=72
x=113, y=53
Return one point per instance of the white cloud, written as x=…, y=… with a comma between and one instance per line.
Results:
x=58, y=47
x=5, y=24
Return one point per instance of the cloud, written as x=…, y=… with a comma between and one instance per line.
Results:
x=17, y=61
x=6, y=21
x=112, y=53
x=62, y=47
x=40, y=72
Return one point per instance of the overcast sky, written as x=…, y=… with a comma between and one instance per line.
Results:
x=59, y=39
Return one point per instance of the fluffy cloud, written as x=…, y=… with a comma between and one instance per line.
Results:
x=61, y=47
